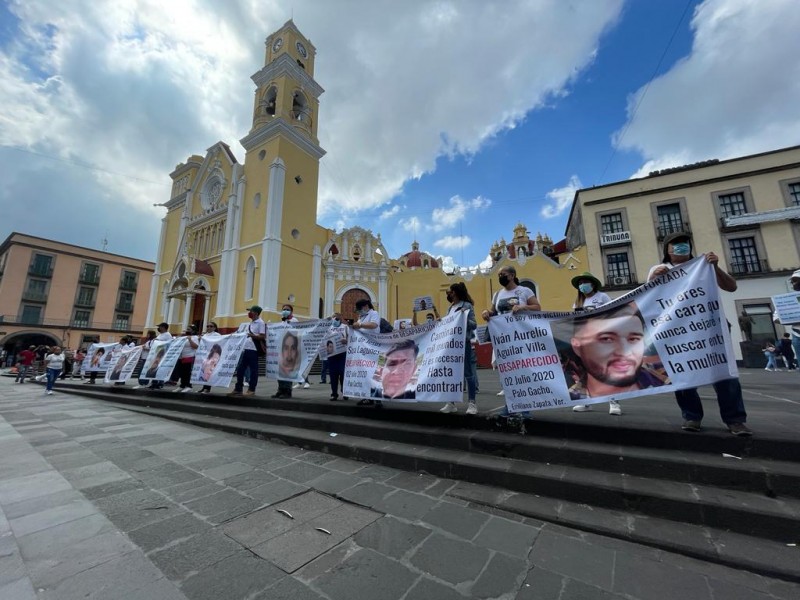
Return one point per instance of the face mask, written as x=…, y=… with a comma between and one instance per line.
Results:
x=449, y=296
x=285, y=313
x=682, y=249
x=503, y=279
x=251, y=315
x=364, y=312
x=585, y=288
x=336, y=322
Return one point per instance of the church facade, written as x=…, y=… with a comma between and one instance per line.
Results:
x=242, y=233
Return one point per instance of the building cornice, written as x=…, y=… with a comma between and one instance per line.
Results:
x=280, y=127
x=285, y=65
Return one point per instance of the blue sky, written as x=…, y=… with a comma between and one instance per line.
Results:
x=445, y=121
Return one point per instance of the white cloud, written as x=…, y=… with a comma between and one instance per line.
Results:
x=736, y=93
x=453, y=242
x=136, y=86
x=560, y=199
x=390, y=212
x=412, y=224
x=449, y=216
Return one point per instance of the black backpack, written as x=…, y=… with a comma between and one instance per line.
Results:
x=385, y=326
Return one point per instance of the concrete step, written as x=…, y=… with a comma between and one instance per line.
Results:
x=770, y=478
x=745, y=513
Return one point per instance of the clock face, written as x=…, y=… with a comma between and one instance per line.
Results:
x=276, y=45
x=302, y=50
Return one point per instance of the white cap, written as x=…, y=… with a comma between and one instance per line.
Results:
x=795, y=275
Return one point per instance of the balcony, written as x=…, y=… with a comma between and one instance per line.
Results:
x=85, y=302
x=621, y=281
x=89, y=278
x=40, y=271
x=665, y=230
x=124, y=307
x=31, y=296
x=736, y=223
x=128, y=284
x=749, y=267
x=68, y=323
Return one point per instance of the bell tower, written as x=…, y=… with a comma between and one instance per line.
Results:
x=281, y=172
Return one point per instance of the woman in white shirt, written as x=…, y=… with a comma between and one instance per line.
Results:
x=54, y=362
x=589, y=294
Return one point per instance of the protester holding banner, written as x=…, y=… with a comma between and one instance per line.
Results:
x=137, y=371
x=397, y=373
x=368, y=317
x=163, y=336
x=97, y=356
x=460, y=300
x=77, y=362
x=677, y=251
x=213, y=335
x=336, y=356
x=186, y=360
x=285, y=387
x=512, y=298
x=256, y=331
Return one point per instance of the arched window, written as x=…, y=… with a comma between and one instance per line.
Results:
x=249, y=278
x=270, y=100
x=530, y=285
x=300, y=110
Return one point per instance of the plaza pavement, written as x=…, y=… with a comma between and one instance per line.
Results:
x=97, y=502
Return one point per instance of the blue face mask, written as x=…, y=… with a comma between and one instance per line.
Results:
x=285, y=313
x=682, y=249
x=585, y=288
x=336, y=322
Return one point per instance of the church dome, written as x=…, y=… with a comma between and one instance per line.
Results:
x=417, y=259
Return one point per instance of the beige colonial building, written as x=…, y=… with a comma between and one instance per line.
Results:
x=57, y=293
x=746, y=210
x=238, y=233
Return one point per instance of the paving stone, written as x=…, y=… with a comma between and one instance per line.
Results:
x=249, y=480
x=206, y=462
x=237, y=577
x=574, y=558
x=366, y=574
x=389, y=536
x=161, y=534
x=502, y=575
x=725, y=590
x=194, y=555
x=541, y=584
x=440, y=488
x=215, y=504
x=130, y=500
x=228, y=470
x=333, y=482
x=452, y=560
x=41, y=543
x=20, y=589
x=366, y=493
x=412, y=482
x=325, y=562
x=299, y=472
x=316, y=458
x=17, y=489
x=192, y=490
x=50, y=517
x=74, y=459
x=112, y=488
x=377, y=473
x=460, y=521
x=345, y=465
x=35, y=505
x=407, y=505
x=146, y=514
x=276, y=491
x=113, y=580
x=648, y=579
x=302, y=544
x=289, y=588
x=507, y=536
x=427, y=589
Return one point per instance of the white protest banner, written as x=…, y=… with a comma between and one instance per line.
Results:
x=335, y=343
x=170, y=358
x=422, y=364
x=292, y=348
x=423, y=303
x=153, y=361
x=216, y=359
x=788, y=307
x=666, y=335
x=122, y=368
x=99, y=357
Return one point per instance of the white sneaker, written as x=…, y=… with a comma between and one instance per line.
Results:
x=501, y=393
x=450, y=407
x=39, y=377
x=581, y=408
x=472, y=409
x=295, y=386
x=184, y=390
x=137, y=387
x=49, y=392
x=306, y=386
x=767, y=369
x=176, y=390
x=614, y=408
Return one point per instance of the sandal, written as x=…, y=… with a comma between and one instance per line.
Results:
x=365, y=402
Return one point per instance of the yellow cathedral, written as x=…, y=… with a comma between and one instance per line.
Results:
x=238, y=234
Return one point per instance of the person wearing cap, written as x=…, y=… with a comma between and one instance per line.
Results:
x=589, y=298
x=163, y=336
x=678, y=250
x=285, y=387
x=256, y=331
x=794, y=330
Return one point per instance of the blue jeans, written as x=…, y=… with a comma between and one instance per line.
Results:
x=249, y=361
x=52, y=374
x=729, y=398
x=796, y=348
x=22, y=372
x=322, y=376
x=771, y=364
x=470, y=371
